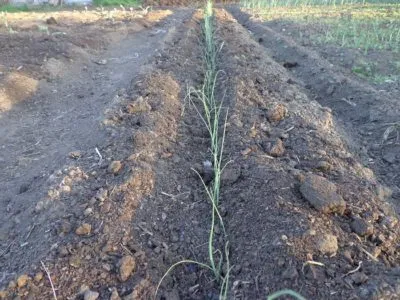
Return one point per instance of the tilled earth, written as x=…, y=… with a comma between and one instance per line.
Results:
x=99, y=188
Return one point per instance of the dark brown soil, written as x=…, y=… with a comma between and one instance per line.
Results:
x=108, y=208
x=364, y=111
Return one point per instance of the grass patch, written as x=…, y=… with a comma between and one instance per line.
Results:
x=369, y=27
x=370, y=71
x=10, y=8
x=128, y=3
x=363, y=27
x=286, y=3
x=13, y=8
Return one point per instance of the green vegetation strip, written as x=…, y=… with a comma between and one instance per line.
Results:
x=360, y=26
x=277, y=3
x=210, y=112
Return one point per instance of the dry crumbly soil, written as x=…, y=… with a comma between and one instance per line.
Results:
x=98, y=183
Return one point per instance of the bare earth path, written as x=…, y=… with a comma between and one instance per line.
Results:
x=64, y=115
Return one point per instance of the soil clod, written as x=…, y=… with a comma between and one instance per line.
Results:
x=361, y=227
x=115, y=167
x=90, y=295
x=127, y=266
x=327, y=244
x=277, y=112
x=322, y=194
x=51, y=21
x=84, y=229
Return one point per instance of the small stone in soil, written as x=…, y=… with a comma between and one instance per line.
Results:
x=75, y=154
x=115, y=167
x=361, y=227
x=63, y=251
x=290, y=65
x=101, y=62
x=277, y=149
x=88, y=211
x=90, y=295
x=38, y=277
x=114, y=295
x=51, y=21
x=322, y=195
x=359, y=278
x=327, y=244
x=23, y=188
x=322, y=165
x=22, y=280
x=127, y=266
x=277, y=113
x=84, y=229
x=347, y=255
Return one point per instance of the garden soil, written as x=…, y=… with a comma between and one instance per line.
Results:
x=99, y=191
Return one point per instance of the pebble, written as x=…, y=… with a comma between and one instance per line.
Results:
x=277, y=113
x=3, y=294
x=327, y=244
x=361, y=227
x=66, y=188
x=38, y=277
x=88, y=211
x=51, y=21
x=12, y=284
x=22, y=280
x=115, y=167
x=359, y=278
x=84, y=229
x=24, y=188
x=277, y=149
x=101, y=195
x=90, y=295
x=63, y=251
x=115, y=295
x=75, y=154
x=102, y=62
x=127, y=266
x=347, y=255
x=75, y=261
x=322, y=195
x=323, y=165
